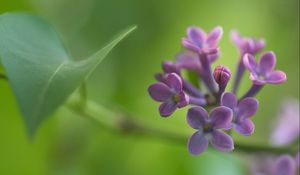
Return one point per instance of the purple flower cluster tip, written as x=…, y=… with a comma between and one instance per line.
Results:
x=200, y=87
x=263, y=72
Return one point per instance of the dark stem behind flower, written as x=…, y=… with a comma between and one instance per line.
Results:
x=253, y=91
x=238, y=75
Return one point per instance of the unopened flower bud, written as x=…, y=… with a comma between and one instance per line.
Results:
x=222, y=75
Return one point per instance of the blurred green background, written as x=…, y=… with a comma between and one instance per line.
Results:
x=67, y=144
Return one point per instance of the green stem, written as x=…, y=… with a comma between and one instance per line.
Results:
x=125, y=124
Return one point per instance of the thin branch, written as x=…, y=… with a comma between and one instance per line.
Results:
x=126, y=124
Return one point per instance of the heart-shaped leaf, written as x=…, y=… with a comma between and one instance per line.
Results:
x=41, y=72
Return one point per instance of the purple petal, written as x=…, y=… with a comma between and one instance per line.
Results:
x=285, y=165
x=196, y=35
x=222, y=141
x=214, y=36
x=170, y=67
x=259, y=45
x=197, y=143
x=221, y=117
x=188, y=45
x=287, y=126
x=184, y=100
x=250, y=63
x=236, y=39
x=276, y=77
x=267, y=63
x=229, y=100
x=247, y=107
x=166, y=109
x=174, y=82
x=160, y=77
x=160, y=92
x=197, y=117
x=245, y=127
x=213, y=57
x=188, y=61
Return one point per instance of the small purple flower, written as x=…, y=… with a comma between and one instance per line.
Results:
x=170, y=94
x=284, y=165
x=287, y=126
x=209, y=129
x=198, y=41
x=247, y=45
x=242, y=112
x=263, y=72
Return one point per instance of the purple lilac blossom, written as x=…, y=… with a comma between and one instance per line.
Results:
x=284, y=165
x=197, y=40
x=245, y=45
x=170, y=94
x=242, y=111
x=263, y=72
x=206, y=46
x=171, y=67
x=287, y=126
x=269, y=165
x=209, y=129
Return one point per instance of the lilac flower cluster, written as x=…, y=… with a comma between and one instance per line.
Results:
x=282, y=165
x=285, y=132
x=175, y=87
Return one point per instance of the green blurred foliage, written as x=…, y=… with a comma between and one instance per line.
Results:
x=67, y=144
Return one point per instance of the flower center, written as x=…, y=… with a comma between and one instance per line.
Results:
x=176, y=98
x=261, y=77
x=207, y=127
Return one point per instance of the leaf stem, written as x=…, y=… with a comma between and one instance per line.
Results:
x=124, y=123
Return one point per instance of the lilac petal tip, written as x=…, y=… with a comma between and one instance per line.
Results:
x=267, y=63
x=276, y=77
x=247, y=107
x=222, y=141
x=229, y=100
x=188, y=45
x=250, y=63
x=197, y=143
x=214, y=36
x=167, y=108
x=160, y=92
x=221, y=117
x=245, y=127
x=197, y=117
x=174, y=82
x=196, y=35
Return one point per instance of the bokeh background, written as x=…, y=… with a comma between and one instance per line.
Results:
x=67, y=144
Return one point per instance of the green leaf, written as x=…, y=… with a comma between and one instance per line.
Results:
x=41, y=72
